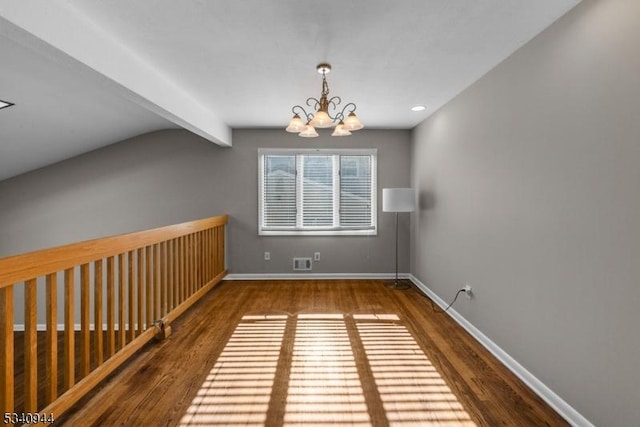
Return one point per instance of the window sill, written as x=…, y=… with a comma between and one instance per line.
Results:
x=318, y=232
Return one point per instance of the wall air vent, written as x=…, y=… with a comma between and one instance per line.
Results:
x=302, y=264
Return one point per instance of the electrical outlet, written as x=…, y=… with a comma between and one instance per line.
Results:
x=468, y=291
x=267, y=256
x=316, y=256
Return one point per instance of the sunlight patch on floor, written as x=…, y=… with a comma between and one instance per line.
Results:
x=238, y=389
x=314, y=358
x=324, y=386
x=411, y=390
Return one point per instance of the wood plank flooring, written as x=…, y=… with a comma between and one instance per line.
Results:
x=313, y=353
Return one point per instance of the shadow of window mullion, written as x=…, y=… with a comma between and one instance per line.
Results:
x=280, y=390
x=370, y=389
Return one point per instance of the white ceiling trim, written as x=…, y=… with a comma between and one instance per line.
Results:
x=86, y=45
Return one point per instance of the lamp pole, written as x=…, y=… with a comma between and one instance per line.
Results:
x=396, y=282
x=398, y=200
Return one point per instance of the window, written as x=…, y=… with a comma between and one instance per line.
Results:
x=321, y=192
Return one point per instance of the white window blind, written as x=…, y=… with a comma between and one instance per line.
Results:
x=280, y=191
x=355, y=190
x=321, y=192
x=317, y=191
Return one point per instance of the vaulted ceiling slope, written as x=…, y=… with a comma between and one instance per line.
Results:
x=87, y=73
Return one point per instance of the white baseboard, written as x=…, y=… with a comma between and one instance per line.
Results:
x=315, y=276
x=556, y=402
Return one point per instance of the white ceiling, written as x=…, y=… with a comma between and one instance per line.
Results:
x=87, y=73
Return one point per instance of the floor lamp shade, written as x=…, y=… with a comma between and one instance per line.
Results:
x=398, y=200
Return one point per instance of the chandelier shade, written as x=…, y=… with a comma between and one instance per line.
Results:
x=352, y=123
x=296, y=125
x=308, y=132
x=321, y=120
x=326, y=113
x=340, y=130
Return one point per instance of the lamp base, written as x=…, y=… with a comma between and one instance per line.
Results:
x=399, y=284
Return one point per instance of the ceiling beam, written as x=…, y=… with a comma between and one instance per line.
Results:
x=61, y=32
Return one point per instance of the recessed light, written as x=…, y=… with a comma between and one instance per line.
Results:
x=5, y=104
x=418, y=108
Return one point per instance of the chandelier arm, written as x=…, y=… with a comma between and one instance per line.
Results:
x=334, y=102
x=341, y=114
x=301, y=112
x=313, y=102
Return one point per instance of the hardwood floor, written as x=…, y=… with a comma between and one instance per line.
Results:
x=307, y=353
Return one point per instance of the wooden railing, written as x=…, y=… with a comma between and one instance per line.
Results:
x=117, y=294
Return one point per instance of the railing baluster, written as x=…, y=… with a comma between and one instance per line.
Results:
x=85, y=332
x=111, y=333
x=97, y=314
x=205, y=255
x=209, y=256
x=30, y=347
x=177, y=283
x=215, y=255
x=222, y=249
x=199, y=275
x=194, y=257
x=174, y=273
x=187, y=260
x=132, y=297
x=181, y=279
x=140, y=289
x=212, y=253
x=194, y=263
x=156, y=283
x=148, y=288
x=190, y=265
x=190, y=271
x=202, y=258
x=51, y=361
x=163, y=279
x=186, y=282
x=6, y=347
x=187, y=268
x=69, y=330
x=169, y=283
x=195, y=283
x=121, y=302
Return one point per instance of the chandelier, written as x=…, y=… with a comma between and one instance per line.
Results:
x=305, y=124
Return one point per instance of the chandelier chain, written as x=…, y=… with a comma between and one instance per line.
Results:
x=325, y=86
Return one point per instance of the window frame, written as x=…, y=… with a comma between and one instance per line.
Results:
x=301, y=230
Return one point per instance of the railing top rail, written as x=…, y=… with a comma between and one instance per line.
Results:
x=18, y=268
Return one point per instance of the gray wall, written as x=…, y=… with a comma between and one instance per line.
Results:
x=173, y=176
x=528, y=185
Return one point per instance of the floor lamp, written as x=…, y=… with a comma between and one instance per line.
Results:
x=398, y=200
